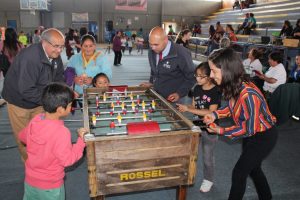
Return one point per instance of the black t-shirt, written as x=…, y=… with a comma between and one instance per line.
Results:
x=204, y=98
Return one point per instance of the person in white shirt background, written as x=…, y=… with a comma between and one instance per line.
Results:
x=276, y=74
x=252, y=62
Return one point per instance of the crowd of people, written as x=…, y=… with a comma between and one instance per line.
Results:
x=35, y=103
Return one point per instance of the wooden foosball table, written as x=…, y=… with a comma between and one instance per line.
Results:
x=137, y=142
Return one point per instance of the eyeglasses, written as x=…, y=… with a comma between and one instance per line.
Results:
x=56, y=46
x=199, y=76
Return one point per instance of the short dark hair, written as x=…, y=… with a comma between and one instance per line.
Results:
x=97, y=76
x=233, y=73
x=256, y=53
x=276, y=56
x=56, y=95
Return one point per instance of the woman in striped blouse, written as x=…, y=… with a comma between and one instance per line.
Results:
x=254, y=122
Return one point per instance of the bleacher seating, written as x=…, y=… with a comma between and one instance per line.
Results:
x=269, y=16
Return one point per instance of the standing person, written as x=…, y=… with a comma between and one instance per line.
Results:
x=139, y=44
x=254, y=123
x=184, y=37
x=123, y=43
x=171, y=65
x=49, y=145
x=206, y=99
x=23, y=38
x=88, y=64
x=71, y=43
x=33, y=68
x=130, y=44
x=36, y=38
x=117, y=48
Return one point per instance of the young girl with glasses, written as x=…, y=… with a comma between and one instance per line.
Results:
x=206, y=98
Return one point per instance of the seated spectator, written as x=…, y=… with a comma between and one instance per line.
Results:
x=101, y=80
x=294, y=75
x=211, y=31
x=287, y=29
x=224, y=42
x=244, y=24
x=219, y=28
x=230, y=33
x=253, y=63
x=276, y=75
x=184, y=37
x=296, y=31
x=236, y=5
x=250, y=25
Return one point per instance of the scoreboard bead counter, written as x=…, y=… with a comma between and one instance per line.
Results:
x=137, y=142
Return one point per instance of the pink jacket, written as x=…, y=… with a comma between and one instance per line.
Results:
x=49, y=150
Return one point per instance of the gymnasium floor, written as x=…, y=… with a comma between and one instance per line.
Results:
x=281, y=167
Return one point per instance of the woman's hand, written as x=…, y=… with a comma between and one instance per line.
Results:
x=182, y=108
x=213, y=128
x=209, y=118
x=78, y=80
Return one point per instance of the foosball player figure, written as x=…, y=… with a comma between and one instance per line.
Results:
x=104, y=96
x=118, y=100
x=138, y=100
x=144, y=117
x=150, y=111
x=143, y=105
x=94, y=120
x=153, y=104
x=97, y=112
x=112, y=126
x=131, y=96
x=136, y=110
x=133, y=106
x=97, y=101
x=119, y=118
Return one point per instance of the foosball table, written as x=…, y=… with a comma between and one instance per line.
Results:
x=137, y=141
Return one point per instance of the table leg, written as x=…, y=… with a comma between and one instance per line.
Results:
x=181, y=192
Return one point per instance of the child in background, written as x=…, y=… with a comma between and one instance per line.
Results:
x=49, y=146
x=130, y=44
x=206, y=98
x=101, y=80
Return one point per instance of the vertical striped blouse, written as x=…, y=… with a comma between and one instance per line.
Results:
x=250, y=113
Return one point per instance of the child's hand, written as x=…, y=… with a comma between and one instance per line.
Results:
x=209, y=118
x=182, y=108
x=213, y=128
x=81, y=132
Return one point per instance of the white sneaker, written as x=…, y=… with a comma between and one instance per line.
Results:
x=2, y=102
x=206, y=186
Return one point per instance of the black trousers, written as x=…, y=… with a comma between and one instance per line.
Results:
x=254, y=150
x=118, y=56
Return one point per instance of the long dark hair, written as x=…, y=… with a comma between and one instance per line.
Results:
x=11, y=42
x=233, y=73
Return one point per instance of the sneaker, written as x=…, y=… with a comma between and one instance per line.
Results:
x=2, y=102
x=206, y=186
